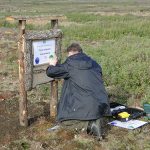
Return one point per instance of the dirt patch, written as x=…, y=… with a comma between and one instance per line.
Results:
x=8, y=121
x=65, y=135
x=6, y=95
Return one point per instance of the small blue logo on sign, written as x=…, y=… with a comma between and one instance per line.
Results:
x=37, y=60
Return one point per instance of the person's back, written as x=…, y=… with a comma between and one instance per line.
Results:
x=83, y=95
x=86, y=95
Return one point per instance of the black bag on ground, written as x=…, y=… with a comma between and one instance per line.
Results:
x=117, y=109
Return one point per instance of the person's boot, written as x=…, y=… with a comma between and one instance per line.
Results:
x=95, y=128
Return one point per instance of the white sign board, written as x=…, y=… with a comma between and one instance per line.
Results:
x=42, y=50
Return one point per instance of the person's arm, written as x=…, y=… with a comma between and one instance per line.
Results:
x=58, y=72
x=55, y=70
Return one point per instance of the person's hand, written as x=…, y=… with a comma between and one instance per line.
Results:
x=53, y=60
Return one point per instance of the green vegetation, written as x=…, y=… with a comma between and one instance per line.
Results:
x=121, y=45
x=115, y=33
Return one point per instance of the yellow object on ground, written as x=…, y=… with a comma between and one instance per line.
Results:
x=123, y=115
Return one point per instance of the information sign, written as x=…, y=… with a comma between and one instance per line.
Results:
x=42, y=50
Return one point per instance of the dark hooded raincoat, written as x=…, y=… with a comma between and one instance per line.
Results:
x=83, y=94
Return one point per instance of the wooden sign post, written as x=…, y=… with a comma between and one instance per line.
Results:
x=54, y=83
x=23, y=93
x=35, y=47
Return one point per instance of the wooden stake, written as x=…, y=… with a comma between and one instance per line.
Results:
x=23, y=93
x=54, y=23
x=54, y=98
x=54, y=83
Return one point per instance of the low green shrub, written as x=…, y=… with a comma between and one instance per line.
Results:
x=4, y=23
x=126, y=64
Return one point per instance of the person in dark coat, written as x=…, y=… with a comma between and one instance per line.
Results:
x=83, y=96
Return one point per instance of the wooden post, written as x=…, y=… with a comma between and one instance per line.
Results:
x=54, y=98
x=54, y=83
x=54, y=23
x=23, y=93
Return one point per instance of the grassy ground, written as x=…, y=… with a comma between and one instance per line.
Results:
x=115, y=33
